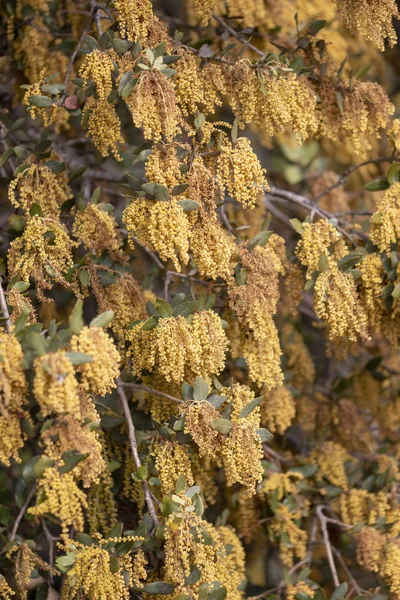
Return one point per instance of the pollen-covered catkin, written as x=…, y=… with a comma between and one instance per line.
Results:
x=99, y=374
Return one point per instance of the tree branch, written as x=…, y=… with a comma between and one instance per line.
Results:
x=150, y=390
x=21, y=513
x=134, y=449
x=4, y=308
x=323, y=521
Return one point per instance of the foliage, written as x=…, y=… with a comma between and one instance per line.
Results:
x=199, y=361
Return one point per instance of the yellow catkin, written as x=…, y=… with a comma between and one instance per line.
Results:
x=240, y=172
x=103, y=126
x=69, y=434
x=255, y=304
x=370, y=544
x=242, y=450
x=278, y=409
x=153, y=106
x=172, y=461
x=98, y=67
x=390, y=569
x=99, y=374
x=102, y=509
x=198, y=417
x=139, y=573
x=180, y=349
x=372, y=19
x=126, y=299
x=39, y=185
x=5, y=591
x=385, y=228
x=20, y=303
x=25, y=561
x=97, y=230
x=286, y=523
x=13, y=390
x=162, y=226
x=330, y=458
x=91, y=574
x=134, y=17
x=55, y=386
x=43, y=252
x=336, y=301
x=301, y=587
x=163, y=165
x=61, y=497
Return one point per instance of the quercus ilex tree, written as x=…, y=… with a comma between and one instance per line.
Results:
x=200, y=287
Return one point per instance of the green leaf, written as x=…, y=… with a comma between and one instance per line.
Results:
x=297, y=226
x=116, y=531
x=235, y=129
x=216, y=401
x=21, y=152
x=182, y=597
x=188, y=205
x=177, y=190
x=21, y=286
x=141, y=474
x=218, y=594
x=151, y=323
x=95, y=199
x=250, y=406
x=339, y=100
x=71, y=459
x=121, y=46
x=222, y=425
x=22, y=321
x=85, y=539
x=265, y=435
x=200, y=389
x=376, y=185
x=316, y=26
x=159, y=587
x=5, y=156
x=40, y=101
x=41, y=465
x=199, y=121
x=84, y=277
x=91, y=42
x=75, y=319
x=260, y=239
x=349, y=261
x=340, y=591
x=323, y=264
x=396, y=291
x=393, y=174
x=56, y=166
x=362, y=72
x=103, y=319
x=78, y=358
x=64, y=562
x=163, y=308
x=36, y=209
x=18, y=124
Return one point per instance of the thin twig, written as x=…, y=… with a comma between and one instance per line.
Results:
x=21, y=514
x=4, y=308
x=150, y=390
x=238, y=36
x=343, y=177
x=134, y=449
x=71, y=64
x=96, y=16
x=325, y=534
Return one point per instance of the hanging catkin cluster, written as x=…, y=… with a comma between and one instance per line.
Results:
x=178, y=349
